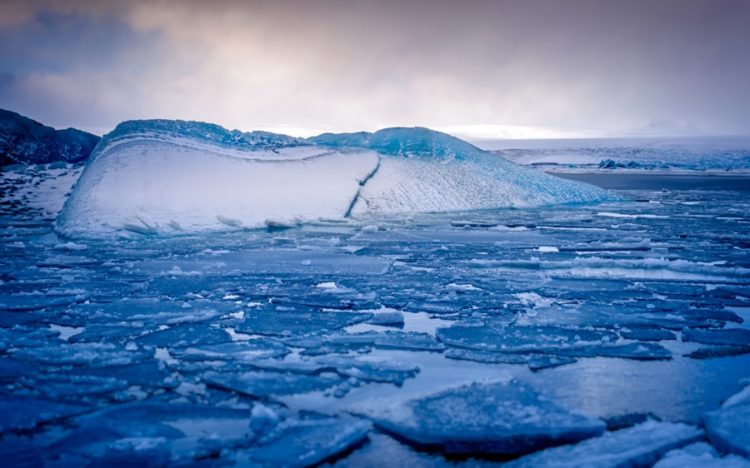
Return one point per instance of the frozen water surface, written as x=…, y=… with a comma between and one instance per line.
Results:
x=287, y=344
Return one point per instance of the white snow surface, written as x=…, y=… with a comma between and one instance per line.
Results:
x=164, y=186
x=700, y=454
x=150, y=177
x=42, y=187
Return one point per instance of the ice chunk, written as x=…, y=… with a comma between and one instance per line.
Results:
x=79, y=354
x=545, y=362
x=522, y=338
x=647, y=334
x=283, y=323
x=388, y=319
x=727, y=427
x=487, y=356
x=66, y=332
x=640, y=445
x=269, y=384
x=306, y=442
x=571, y=342
x=237, y=351
x=22, y=413
x=726, y=337
x=718, y=351
x=534, y=361
x=637, y=351
x=27, y=302
x=741, y=398
x=145, y=374
x=184, y=335
x=367, y=370
x=60, y=387
x=389, y=340
x=700, y=454
x=493, y=418
x=167, y=432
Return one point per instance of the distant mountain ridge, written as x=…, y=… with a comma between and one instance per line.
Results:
x=26, y=141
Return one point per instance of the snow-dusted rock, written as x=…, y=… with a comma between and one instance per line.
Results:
x=23, y=140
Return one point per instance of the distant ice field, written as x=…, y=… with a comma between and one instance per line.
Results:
x=652, y=181
x=686, y=155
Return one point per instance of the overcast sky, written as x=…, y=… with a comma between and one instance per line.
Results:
x=487, y=68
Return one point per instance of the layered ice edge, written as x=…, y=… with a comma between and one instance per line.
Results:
x=171, y=176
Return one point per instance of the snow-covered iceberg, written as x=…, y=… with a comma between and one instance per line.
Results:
x=424, y=170
x=170, y=176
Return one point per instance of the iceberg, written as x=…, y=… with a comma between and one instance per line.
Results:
x=168, y=177
x=422, y=170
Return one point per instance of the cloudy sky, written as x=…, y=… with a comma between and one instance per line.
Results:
x=474, y=67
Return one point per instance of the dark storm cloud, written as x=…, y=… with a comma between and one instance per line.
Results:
x=601, y=66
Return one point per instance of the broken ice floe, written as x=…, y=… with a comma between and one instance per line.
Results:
x=496, y=418
x=727, y=426
x=285, y=323
x=547, y=340
x=19, y=413
x=700, y=454
x=306, y=442
x=640, y=445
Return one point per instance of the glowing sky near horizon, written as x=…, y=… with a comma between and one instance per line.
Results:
x=565, y=68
